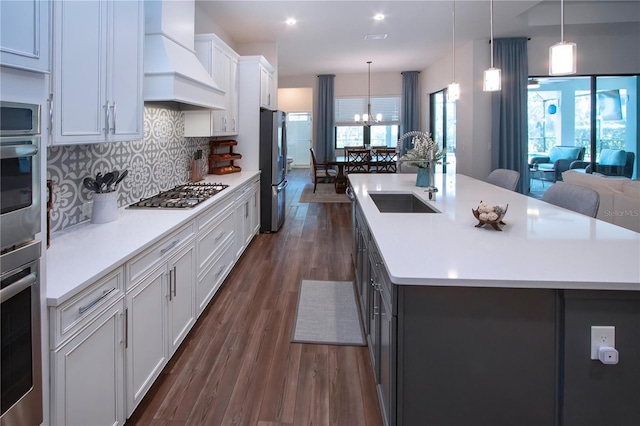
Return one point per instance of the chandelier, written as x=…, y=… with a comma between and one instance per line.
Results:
x=367, y=118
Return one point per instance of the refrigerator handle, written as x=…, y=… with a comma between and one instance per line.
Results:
x=280, y=187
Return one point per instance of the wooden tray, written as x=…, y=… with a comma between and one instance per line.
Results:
x=224, y=170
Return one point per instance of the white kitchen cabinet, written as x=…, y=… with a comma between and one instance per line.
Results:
x=97, y=71
x=160, y=303
x=252, y=97
x=222, y=64
x=247, y=215
x=87, y=360
x=267, y=88
x=214, y=250
x=24, y=34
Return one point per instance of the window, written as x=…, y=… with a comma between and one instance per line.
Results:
x=594, y=112
x=384, y=133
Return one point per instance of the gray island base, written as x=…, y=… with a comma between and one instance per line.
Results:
x=480, y=352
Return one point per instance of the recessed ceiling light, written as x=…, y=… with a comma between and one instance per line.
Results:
x=379, y=17
x=376, y=36
x=291, y=21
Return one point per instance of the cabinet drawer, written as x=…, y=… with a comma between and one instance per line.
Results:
x=213, y=214
x=213, y=276
x=211, y=241
x=70, y=317
x=143, y=263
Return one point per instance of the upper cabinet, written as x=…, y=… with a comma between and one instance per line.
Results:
x=97, y=71
x=24, y=34
x=267, y=88
x=222, y=64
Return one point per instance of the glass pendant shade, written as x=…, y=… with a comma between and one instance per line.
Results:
x=453, y=92
x=492, y=80
x=562, y=58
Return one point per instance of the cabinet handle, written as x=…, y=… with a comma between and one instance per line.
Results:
x=106, y=119
x=50, y=114
x=233, y=121
x=170, y=293
x=84, y=309
x=126, y=328
x=220, y=271
x=113, y=118
x=169, y=247
x=220, y=235
x=246, y=210
x=175, y=283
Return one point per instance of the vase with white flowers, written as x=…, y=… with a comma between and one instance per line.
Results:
x=424, y=155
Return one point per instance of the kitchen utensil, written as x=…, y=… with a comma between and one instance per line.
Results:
x=90, y=184
x=107, y=180
x=99, y=182
x=119, y=179
x=116, y=175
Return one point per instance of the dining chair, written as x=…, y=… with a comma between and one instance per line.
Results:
x=384, y=160
x=321, y=171
x=505, y=178
x=577, y=198
x=358, y=160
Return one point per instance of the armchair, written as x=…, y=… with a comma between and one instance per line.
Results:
x=612, y=162
x=558, y=160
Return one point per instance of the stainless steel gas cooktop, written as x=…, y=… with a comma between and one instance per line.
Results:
x=181, y=197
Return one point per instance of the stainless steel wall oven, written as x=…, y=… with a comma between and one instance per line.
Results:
x=20, y=204
x=20, y=200
x=20, y=357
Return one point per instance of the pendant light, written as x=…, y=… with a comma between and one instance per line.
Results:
x=453, y=91
x=367, y=118
x=492, y=76
x=562, y=55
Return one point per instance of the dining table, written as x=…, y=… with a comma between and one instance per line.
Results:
x=342, y=161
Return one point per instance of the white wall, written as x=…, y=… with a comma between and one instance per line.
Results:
x=295, y=99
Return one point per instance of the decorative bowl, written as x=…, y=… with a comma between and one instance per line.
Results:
x=490, y=215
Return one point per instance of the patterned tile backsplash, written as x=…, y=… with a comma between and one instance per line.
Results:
x=159, y=162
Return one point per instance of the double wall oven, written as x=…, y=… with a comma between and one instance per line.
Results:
x=20, y=204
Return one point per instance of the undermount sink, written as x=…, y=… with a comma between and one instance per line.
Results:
x=400, y=203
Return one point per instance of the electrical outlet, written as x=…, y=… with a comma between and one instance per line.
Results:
x=602, y=336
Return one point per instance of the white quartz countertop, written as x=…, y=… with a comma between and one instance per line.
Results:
x=541, y=245
x=81, y=254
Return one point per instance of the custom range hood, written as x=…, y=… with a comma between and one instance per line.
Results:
x=172, y=72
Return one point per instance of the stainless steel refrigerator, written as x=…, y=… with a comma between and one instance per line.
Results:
x=273, y=167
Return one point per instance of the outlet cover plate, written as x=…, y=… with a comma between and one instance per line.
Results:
x=602, y=336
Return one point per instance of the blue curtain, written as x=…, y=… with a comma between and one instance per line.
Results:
x=326, y=119
x=410, y=106
x=509, y=110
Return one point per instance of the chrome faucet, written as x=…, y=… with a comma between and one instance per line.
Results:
x=432, y=190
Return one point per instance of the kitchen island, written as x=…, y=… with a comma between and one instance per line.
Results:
x=473, y=326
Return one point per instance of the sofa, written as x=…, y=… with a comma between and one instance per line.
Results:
x=557, y=160
x=619, y=197
x=612, y=162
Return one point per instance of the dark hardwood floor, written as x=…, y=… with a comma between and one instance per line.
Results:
x=237, y=366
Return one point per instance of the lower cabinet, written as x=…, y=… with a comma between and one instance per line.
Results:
x=247, y=216
x=146, y=343
x=87, y=386
x=111, y=341
x=160, y=310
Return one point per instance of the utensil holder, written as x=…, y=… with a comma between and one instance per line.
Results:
x=105, y=207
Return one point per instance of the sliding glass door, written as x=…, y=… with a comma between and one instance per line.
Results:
x=443, y=127
x=598, y=113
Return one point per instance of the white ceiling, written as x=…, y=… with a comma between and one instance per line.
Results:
x=329, y=35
